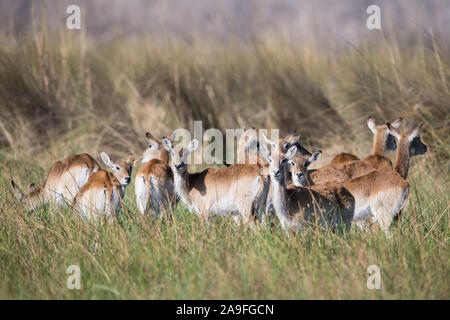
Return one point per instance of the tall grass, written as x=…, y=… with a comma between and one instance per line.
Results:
x=62, y=94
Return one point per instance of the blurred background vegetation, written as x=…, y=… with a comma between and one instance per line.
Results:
x=155, y=66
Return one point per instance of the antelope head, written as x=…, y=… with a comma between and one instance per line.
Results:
x=179, y=154
x=121, y=169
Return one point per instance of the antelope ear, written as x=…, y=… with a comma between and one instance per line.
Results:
x=16, y=190
x=397, y=123
x=167, y=144
x=371, y=124
x=265, y=153
x=316, y=156
x=149, y=136
x=152, y=140
x=272, y=143
x=293, y=137
x=291, y=152
x=296, y=137
x=193, y=145
x=107, y=160
x=394, y=132
x=131, y=159
x=415, y=132
x=172, y=137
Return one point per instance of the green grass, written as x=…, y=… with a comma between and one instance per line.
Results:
x=66, y=94
x=184, y=258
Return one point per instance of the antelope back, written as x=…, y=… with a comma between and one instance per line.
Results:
x=64, y=180
x=105, y=190
x=154, y=187
x=231, y=190
x=339, y=173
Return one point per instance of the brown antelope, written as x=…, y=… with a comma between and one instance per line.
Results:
x=343, y=157
x=64, y=180
x=249, y=143
x=284, y=144
x=381, y=194
x=340, y=172
x=248, y=153
x=382, y=141
x=232, y=190
x=294, y=205
x=104, y=191
x=343, y=171
x=154, y=180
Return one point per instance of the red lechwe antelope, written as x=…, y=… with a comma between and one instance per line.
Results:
x=382, y=141
x=104, y=191
x=295, y=205
x=233, y=190
x=346, y=170
x=248, y=150
x=154, y=180
x=64, y=180
x=381, y=194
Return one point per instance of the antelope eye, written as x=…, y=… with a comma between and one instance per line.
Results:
x=283, y=161
x=286, y=146
x=150, y=146
x=117, y=168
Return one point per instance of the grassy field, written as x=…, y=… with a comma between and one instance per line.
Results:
x=62, y=94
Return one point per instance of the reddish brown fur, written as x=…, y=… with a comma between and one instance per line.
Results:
x=378, y=148
x=292, y=205
x=227, y=191
x=339, y=172
x=154, y=180
x=104, y=191
x=102, y=180
x=382, y=193
x=64, y=180
x=343, y=157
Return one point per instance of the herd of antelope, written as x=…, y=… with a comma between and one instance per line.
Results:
x=276, y=183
